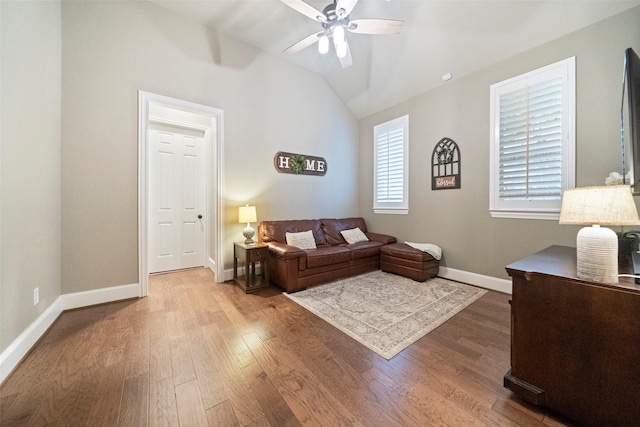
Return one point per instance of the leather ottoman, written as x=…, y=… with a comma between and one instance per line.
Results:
x=413, y=263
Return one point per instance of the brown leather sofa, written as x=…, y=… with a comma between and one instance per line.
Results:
x=294, y=269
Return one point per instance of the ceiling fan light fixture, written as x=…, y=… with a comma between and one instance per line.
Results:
x=339, y=41
x=335, y=22
x=323, y=44
x=341, y=49
x=338, y=34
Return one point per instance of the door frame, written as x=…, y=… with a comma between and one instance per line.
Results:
x=214, y=257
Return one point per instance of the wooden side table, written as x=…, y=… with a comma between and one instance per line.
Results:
x=250, y=254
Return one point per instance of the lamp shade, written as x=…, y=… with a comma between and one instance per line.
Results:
x=247, y=214
x=604, y=205
x=597, y=247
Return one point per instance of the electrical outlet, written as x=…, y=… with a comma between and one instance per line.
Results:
x=36, y=296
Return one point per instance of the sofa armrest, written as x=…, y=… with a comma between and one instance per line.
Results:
x=285, y=251
x=382, y=238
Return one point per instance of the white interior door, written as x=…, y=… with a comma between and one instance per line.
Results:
x=176, y=198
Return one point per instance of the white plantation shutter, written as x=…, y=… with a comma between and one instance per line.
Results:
x=531, y=142
x=533, y=130
x=390, y=166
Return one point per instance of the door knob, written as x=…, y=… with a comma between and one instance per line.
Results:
x=199, y=216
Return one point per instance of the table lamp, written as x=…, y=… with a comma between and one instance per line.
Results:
x=247, y=214
x=597, y=247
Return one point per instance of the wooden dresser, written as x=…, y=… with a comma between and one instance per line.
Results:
x=575, y=344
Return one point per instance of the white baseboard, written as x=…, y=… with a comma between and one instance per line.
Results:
x=100, y=296
x=487, y=282
x=17, y=350
x=12, y=355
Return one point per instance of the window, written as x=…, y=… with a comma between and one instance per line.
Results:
x=391, y=167
x=533, y=142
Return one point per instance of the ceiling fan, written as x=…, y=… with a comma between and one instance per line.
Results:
x=335, y=20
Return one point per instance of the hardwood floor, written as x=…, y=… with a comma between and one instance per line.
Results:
x=199, y=353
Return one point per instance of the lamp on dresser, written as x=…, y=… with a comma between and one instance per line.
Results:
x=247, y=214
x=597, y=247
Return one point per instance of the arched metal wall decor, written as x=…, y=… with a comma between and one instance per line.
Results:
x=445, y=165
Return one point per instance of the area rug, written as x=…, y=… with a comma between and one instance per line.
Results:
x=386, y=312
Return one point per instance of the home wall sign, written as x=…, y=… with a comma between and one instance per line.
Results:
x=445, y=165
x=300, y=164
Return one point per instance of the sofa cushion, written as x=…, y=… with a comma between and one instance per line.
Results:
x=354, y=235
x=302, y=240
x=327, y=255
x=365, y=249
x=332, y=228
x=276, y=230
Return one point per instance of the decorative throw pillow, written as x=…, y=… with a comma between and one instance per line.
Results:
x=354, y=235
x=303, y=240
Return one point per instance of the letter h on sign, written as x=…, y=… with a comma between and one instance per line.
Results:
x=283, y=162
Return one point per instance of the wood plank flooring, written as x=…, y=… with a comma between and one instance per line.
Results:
x=197, y=353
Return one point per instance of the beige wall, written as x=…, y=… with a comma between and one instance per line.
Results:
x=110, y=50
x=459, y=220
x=30, y=163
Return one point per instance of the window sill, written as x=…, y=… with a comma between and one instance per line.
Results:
x=391, y=211
x=551, y=216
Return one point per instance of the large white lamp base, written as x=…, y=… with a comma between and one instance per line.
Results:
x=597, y=252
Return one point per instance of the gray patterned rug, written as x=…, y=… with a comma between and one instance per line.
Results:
x=386, y=312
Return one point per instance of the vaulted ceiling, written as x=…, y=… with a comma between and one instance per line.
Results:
x=439, y=37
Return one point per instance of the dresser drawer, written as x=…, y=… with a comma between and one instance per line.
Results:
x=256, y=255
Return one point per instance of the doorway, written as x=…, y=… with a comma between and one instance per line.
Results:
x=195, y=127
x=177, y=199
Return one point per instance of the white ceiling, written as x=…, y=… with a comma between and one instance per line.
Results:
x=439, y=37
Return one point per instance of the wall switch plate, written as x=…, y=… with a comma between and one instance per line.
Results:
x=36, y=296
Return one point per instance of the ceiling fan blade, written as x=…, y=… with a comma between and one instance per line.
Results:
x=304, y=43
x=346, y=61
x=375, y=26
x=344, y=7
x=305, y=9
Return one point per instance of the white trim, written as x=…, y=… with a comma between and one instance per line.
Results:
x=392, y=211
x=99, y=296
x=487, y=282
x=228, y=273
x=553, y=216
x=215, y=205
x=18, y=349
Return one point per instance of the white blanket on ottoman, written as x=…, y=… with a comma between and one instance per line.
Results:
x=433, y=250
